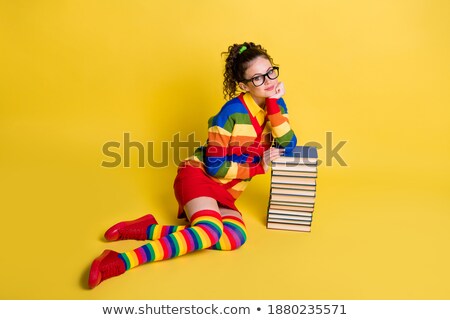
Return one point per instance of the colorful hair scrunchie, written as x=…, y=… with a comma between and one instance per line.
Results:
x=242, y=49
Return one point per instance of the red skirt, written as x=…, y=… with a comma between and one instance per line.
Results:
x=192, y=182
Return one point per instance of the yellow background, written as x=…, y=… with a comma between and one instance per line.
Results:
x=77, y=74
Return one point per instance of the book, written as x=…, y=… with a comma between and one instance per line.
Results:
x=293, y=167
x=290, y=217
x=291, y=227
x=299, y=155
x=292, y=186
x=289, y=213
x=290, y=208
x=294, y=173
x=293, y=222
x=293, y=190
x=294, y=180
x=309, y=205
x=293, y=199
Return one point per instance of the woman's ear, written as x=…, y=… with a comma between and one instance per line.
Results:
x=243, y=86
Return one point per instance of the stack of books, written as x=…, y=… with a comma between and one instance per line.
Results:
x=293, y=190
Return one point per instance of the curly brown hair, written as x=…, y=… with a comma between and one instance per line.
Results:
x=237, y=61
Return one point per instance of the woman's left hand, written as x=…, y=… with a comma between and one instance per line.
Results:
x=269, y=155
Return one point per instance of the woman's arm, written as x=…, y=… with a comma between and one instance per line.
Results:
x=218, y=162
x=281, y=130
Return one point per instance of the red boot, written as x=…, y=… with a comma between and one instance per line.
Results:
x=107, y=265
x=134, y=229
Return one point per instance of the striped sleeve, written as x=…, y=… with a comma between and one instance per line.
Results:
x=218, y=163
x=281, y=129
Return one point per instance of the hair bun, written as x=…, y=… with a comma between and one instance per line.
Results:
x=238, y=57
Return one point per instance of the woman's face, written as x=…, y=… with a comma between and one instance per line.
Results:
x=257, y=67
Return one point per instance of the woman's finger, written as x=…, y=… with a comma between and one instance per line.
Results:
x=275, y=153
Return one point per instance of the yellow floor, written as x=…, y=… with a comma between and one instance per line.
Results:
x=376, y=235
x=79, y=74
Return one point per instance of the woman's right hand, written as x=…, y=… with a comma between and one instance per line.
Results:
x=279, y=91
x=270, y=155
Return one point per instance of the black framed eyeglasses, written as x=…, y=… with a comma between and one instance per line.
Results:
x=259, y=80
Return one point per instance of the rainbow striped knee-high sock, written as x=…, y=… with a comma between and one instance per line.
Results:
x=157, y=231
x=205, y=231
x=234, y=234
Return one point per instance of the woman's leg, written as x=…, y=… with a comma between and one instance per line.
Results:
x=205, y=231
x=146, y=228
x=234, y=232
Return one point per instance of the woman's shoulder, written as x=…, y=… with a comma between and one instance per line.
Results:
x=233, y=106
x=230, y=108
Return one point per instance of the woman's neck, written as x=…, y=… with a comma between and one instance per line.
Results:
x=261, y=102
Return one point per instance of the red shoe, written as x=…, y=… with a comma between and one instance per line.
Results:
x=134, y=229
x=107, y=265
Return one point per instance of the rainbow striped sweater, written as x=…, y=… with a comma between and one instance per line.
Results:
x=232, y=154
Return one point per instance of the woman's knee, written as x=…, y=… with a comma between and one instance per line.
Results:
x=203, y=213
x=238, y=233
x=233, y=237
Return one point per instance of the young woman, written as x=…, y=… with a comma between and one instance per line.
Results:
x=239, y=146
